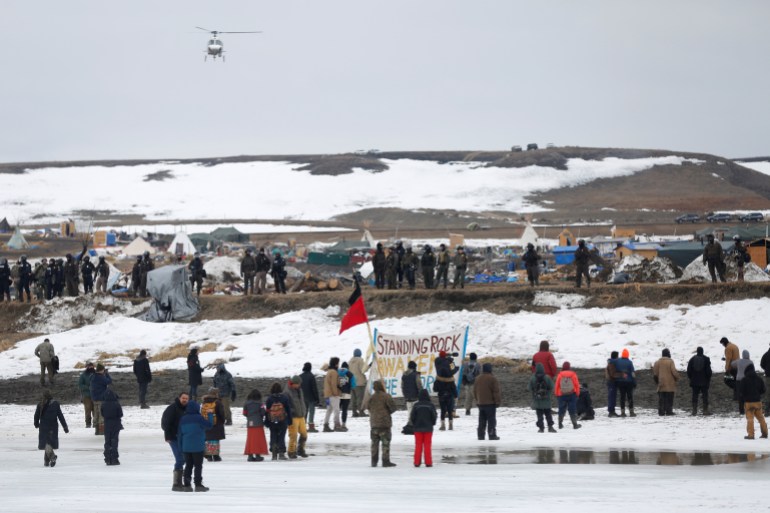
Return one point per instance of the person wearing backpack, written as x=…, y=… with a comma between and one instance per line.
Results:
x=488, y=398
x=699, y=374
x=279, y=417
x=347, y=382
x=212, y=410
x=567, y=391
x=254, y=411
x=423, y=417
x=297, y=427
x=541, y=387
x=626, y=384
x=470, y=372
x=611, y=376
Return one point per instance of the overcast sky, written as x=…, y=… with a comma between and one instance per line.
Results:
x=95, y=79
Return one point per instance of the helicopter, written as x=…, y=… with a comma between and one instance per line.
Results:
x=215, y=48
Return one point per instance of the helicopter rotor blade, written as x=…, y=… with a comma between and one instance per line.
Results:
x=250, y=32
x=207, y=30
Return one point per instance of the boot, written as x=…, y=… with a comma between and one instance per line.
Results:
x=292, y=455
x=541, y=430
x=622, y=412
x=311, y=429
x=274, y=451
x=706, y=412
x=443, y=426
x=209, y=458
x=217, y=457
x=251, y=458
x=694, y=410
x=301, y=449
x=375, y=453
x=551, y=429
x=327, y=429
x=342, y=428
x=387, y=463
x=561, y=420
x=454, y=415
x=201, y=488
x=53, y=460
x=145, y=406
x=282, y=456
x=275, y=456
x=613, y=414
x=451, y=426
x=575, y=425
x=631, y=412
x=467, y=411
x=187, y=488
x=493, y=435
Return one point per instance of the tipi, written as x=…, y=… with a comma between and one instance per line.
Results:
x=17, y=241
x=181, y=245
x=137, y=247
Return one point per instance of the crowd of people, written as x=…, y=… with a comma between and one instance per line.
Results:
x=194, y=426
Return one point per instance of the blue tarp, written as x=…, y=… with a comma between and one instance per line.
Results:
x=487, y=278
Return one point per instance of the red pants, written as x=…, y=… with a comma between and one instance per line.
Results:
x=423, y=443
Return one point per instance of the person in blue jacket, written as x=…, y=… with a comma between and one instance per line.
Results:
x=626, y=384
x=192, y=441
x=279, y=417
x=112, y=412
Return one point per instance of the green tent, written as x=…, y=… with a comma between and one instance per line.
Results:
x=230, y=234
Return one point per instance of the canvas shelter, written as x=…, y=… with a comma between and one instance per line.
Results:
x=181, y=245
x=17, y=241
x=529, y=236
x=230, y=234
x=172, y=294
x=5, y=227
x=137, y=247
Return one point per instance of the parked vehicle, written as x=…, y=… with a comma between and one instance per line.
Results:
x=687, y=218
x=719, y=218
x=755, y=217
x=516, y=148
x=531, y=146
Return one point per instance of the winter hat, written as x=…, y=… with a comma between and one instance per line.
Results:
x=724, y=341
x=565, y=366
x=296, y=380
x=412, y=365
x=345, y=365
x=442, y=354
x=539, y=369
x=99, y=367
x=487, y=367
x=424, y=395
x=473, y=356
x=356, y=352
x=624, y=353
x=699, y=350
x=89, y=364
x=143, y=353
x=745, y=354
x=614, y=355
x=307, y=367
x=666, y=353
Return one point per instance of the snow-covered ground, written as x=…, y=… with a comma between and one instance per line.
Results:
x=761, y=167
x=190, y=228
x=279, y=345
x=194, y=191
x=468, y=475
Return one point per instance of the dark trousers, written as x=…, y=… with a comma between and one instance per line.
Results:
x=194, y=281
x=665, y=403
x=567, y=402
x=582, y=271
x=111, y=440
x=715, y=265
x=400, y=275
x=88, y=284
x=344, y=405
x=548, y=417
x=626, y=389
x=24, y=287
x=193, y=460
x=143, y=392
x=410, y=277
x=5, y=291
x=704, y=391
x=278, y=437
x=193, y=391
x=280, y=285
x=379, y=278
x=533, y=275
x=72, y=286
x=612, y=393
x=487, y=420
x=442, y=274
x=427, y=276
x=446, y=403
x=459, y=277
x=248, y=283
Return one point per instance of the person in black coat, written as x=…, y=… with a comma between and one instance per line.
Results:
x=143, y=376
x=170, y=424
x=765, y=364
x=112, y=412
x=194, y=372
x=423, y=417
x=279, y=273
x=310, y=394
x=48, y=415
x=752, y=388
x=699, y=373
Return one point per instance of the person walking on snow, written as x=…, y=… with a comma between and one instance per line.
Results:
x=45, y=352
x=627, y=383
x=279, y=416
x=332, y=395
x=254, y=411
x=48, y=416
x=470, y=372
x=224, y=383
x=169, y=423
x=752, y=389
x=297, y=427
x=310, y=394
x=111, y=413
x=357, y=367
x=192, y=443
x=381, y=408
x=143, y=377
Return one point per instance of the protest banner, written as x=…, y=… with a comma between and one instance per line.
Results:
x=394, y=352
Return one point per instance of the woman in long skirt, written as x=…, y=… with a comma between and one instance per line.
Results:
x=254, y=411
x=48, y=415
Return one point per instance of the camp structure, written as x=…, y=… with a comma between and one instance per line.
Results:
x=648, y=250
x=204, y=241
x=230, y=234
x=566, y=238
x=529, y=236
x=17, y=241
x=181, y=245
x=172, y=295
x=5, y=227
x=137, y=247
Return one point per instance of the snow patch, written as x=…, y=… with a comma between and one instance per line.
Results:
x=559, y=300
x=62, y=314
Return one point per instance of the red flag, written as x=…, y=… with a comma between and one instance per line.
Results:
x=356, y=313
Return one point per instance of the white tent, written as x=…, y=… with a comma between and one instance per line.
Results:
x=17, y=241
x=181, y=245
x=137, y=247
x=529, y=236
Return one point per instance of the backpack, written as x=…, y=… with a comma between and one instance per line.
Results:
x=567, y=386
x=209, y=408
x=469, y=373
x=344, y=383
x=541, y=389
x=277, y=412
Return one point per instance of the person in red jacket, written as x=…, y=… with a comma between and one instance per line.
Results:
x=545, y=356
x=567, y=392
